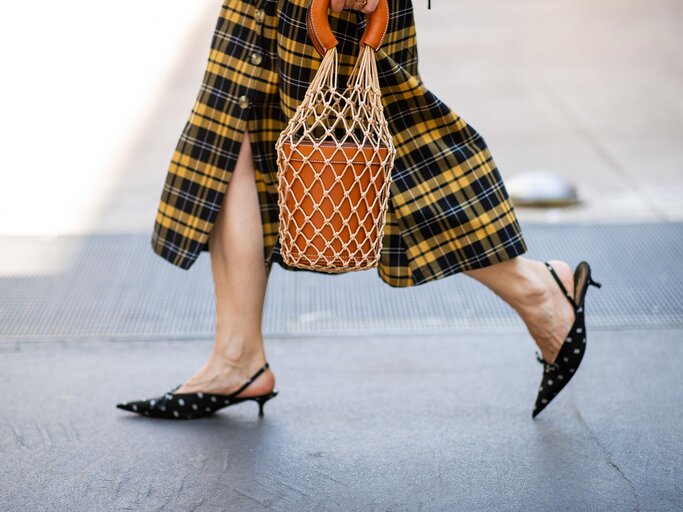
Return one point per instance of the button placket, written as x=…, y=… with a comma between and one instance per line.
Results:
x=255, y=58
x=259, y=15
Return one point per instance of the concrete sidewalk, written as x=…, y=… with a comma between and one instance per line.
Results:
x=360, y=424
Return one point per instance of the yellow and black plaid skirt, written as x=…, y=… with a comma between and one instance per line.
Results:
x=449, y=210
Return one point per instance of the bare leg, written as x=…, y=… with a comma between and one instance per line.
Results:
x=236, y=248
x=530, y=289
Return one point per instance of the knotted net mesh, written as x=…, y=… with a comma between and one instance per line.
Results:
x=334, y=171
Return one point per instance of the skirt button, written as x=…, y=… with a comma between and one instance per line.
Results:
x=243, y=102
x=256, y=58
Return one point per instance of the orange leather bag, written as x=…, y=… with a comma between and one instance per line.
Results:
x=335, y=158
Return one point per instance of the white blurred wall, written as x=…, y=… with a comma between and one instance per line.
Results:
x=78, y=79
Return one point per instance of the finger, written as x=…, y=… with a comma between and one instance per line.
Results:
x=355, y=5
x=370, y=6
x=337, y=5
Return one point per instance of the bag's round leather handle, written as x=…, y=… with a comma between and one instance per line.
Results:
x=377, y=23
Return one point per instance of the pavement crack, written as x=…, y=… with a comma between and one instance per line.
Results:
x=18, y=437
x=610, y=460
x=265, y=504
x=295, y=489
x=198, y=505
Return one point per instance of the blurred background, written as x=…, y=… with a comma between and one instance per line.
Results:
x=98, y=96
x=93, y=98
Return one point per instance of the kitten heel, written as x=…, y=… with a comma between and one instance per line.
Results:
x=262, y=401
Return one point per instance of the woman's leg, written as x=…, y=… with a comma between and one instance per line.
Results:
x=236, y=249
x=530, y=289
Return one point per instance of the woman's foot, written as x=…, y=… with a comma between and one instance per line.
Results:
x=545, y=310
x=528, y=287
x=224, y=375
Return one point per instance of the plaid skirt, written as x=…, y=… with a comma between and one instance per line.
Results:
x=449, y=210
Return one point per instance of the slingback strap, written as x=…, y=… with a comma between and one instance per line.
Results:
x=559, y=283
x=252, y=379
x=549, y=366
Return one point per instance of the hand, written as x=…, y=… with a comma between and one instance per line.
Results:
x=356, y=5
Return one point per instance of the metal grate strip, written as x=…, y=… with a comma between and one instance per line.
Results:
x=115, y=287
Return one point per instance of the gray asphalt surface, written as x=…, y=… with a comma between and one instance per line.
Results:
x=387, y=423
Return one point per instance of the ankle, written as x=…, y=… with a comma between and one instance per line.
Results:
x=528, y=289
x=238, y=352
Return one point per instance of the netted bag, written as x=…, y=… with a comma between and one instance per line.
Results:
x=335, y=158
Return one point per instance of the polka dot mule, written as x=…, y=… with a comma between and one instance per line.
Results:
x=183, y=406
x=557, y=374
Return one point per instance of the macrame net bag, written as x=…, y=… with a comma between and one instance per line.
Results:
x=335, y=158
